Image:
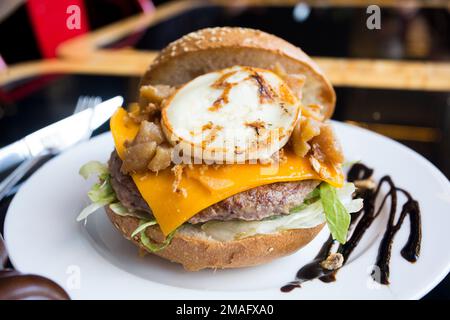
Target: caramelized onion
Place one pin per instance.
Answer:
(148, 132)
(156, 94)
(161, 160)
(303, 132)
(327, 144)
(137, 157)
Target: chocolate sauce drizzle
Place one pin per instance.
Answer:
(360, 222)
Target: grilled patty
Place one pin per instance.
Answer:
(254, 204)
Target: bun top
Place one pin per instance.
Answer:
(213, 49)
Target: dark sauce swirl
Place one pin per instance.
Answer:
(361, 221)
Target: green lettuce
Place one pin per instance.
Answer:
(146, 241)
(94, 167)
(101, 193)
(142, 226)
(121, 210)
(337, 216)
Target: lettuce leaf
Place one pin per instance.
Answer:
(337, 216)
(119, 209)
(142, 226)
(94, 167)
(101, 193)
(89, 209)
(308, 217)
(312, 197)
(147, 242)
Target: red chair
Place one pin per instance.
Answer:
(49, 19)
(53, 21)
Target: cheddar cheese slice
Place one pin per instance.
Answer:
(205, 187)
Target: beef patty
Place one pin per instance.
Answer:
(254, 204)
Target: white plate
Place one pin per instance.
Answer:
(95, 262)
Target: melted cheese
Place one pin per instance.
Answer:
(206, 187)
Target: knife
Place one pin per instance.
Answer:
(53, 139)
(59, 135)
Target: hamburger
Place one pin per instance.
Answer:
(227, 159)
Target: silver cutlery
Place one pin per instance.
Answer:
(85, 102)
(54, 138)
(10, 183)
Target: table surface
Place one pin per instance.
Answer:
(417, 117)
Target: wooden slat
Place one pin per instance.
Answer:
(428, 76)
(402, 132)
(129, 66)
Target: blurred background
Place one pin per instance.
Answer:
(394, 80)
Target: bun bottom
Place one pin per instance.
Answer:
(193, 249)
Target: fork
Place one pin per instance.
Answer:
(85, 102)
(7, 186)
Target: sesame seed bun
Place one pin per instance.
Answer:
(213, 49)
